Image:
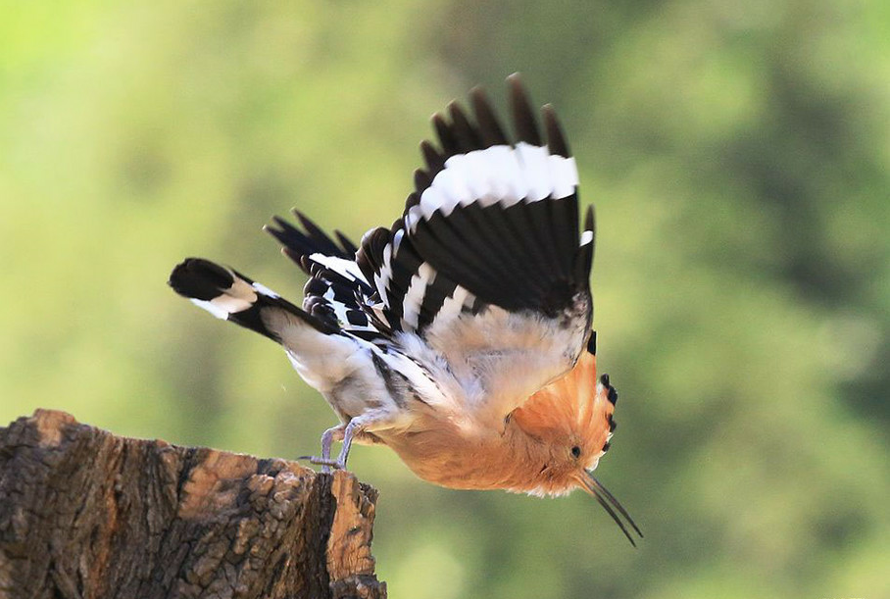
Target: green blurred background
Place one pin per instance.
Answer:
(738, 155)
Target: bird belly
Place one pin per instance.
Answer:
(461, 462)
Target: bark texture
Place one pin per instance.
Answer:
(86, 514)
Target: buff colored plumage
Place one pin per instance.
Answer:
(460, 336)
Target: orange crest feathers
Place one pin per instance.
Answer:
(575, 405)
(577, 409)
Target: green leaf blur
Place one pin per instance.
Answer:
(738, 157)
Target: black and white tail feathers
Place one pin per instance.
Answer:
(231, 296)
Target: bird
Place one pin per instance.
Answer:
(460, 336)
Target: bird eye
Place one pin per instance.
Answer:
(576, 451)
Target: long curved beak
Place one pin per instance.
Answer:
(612, 506)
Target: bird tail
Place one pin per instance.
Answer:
(231, 296)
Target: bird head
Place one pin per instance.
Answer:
(571, 421)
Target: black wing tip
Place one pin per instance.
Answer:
(308, 238)
(523, 115)
(435, 161)
(447, 139)
(490, 130)
(590, 220)
(422, 180)
(556, 139)
(346, 242)
(313, 231)
(299, 216)
(478, 91)
(467, 133)
(278, 231)
(457, 133)
(584, 255)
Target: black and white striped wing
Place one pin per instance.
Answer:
(487, 263)
(336, 291)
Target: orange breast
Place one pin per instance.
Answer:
(512, 457)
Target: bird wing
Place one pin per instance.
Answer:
(337, 289)
(486, 264)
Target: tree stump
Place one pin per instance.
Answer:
(87, 514)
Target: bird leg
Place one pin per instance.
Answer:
(335, 433)
(339, 433)
(345, 433)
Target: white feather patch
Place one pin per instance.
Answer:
(381, 279)
(507, 182)
(533, 160)
(498, 174)
(345, 268)
(260, 288)
(433, 199)
(424, 277)
(217, 311)
(563, 175)
(397, 240)
(237, 298)
(454, 304)
(453, 183)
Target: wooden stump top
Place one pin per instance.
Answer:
(87, 514)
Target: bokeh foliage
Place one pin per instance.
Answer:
(738, 156)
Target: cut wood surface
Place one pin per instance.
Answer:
(87, 514)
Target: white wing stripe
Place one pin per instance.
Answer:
(563, 174)
(424, 277)
(381, 279)
(534, 166)
(498, 174)
(433, 199)
(345, 268)
(453, 305)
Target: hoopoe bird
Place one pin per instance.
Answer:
(460, 337)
